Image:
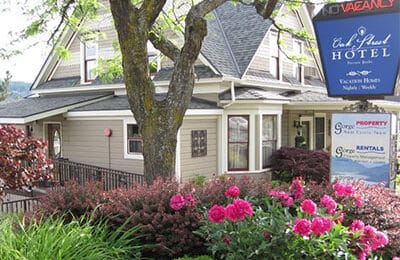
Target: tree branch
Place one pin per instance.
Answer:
(265, 9)
(167, 47)
(150, 10)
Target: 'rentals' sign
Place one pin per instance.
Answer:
(359, 43)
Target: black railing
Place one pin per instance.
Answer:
(18, 206)
(65, 170)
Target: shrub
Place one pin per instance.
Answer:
(290, 162)
(273, 231)
(380, 208)
(22, 159)
(169, 231)
(72, 201)
(54, 239)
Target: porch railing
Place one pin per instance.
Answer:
(18, 206)
(66, 170)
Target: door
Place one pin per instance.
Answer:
(54, 140)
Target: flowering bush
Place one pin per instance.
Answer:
(280, 228)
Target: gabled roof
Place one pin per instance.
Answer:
(35, 108)
(234, 34)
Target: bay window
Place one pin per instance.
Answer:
(238, 143)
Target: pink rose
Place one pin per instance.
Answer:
(381, 240)
(356, 225)
(233, 191)
(216, 214)
(302, 227)
(343, 190)
(283, 197)
(231, 213)
(297, 188)
(329, 203)
(227, 240)
(242, 208)
(309, 206)
(177, 202)
(320, 225)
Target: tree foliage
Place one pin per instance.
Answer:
(22, 159)
(5, 86)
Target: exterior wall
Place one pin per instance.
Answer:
(84, 141)
(192, 166)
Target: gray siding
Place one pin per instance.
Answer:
(207, 165)
(84, 141)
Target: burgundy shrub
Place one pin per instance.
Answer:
(22, 159)
(73, 199)
(169, 232)
(290, 162)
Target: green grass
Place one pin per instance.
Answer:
(56, 240)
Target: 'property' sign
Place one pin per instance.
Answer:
(359, 43)
(361, 147)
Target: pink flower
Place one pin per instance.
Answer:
(356, 225)
(381, 240)
(233, 191)
(243, 208)
(358, 200)
(396, 258)
(302, 227)
(309, 206)
(227, 240)
(329, 203)
(190, 200)
(343, 190)
(320, 225)
(177, 202)
(297, 188)
(283, 198)
(231, 213)
(216, 214)
(238, 210)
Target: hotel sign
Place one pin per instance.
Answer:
(359, 43)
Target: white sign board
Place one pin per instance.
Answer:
(361, 147)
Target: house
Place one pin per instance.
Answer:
(249, 99)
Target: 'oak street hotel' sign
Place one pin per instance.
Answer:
(359, 42)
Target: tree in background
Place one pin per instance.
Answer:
(23, 159)
(137, 22)
(5, 86)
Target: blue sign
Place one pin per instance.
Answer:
(360, 48)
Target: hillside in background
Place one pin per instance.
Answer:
(19, 89)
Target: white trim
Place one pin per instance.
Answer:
(295, 64)
(83, 58)
(84, 88)
(178, 173)
(195, 112)
(326, 130)
(207, 63)
(48, 113)
(311, 132)
(125, 129)
(248, 172)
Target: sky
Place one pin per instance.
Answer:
(23, 67)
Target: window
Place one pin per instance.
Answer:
(134, 140)
(199, 143)
(274, 63)
(89, 60)
(238, 143)
(297, 68)
(269, 138)
(319, 133)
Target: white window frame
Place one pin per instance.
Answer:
(297, 66)
(127, 155)
(84, 58)
(262, 140)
